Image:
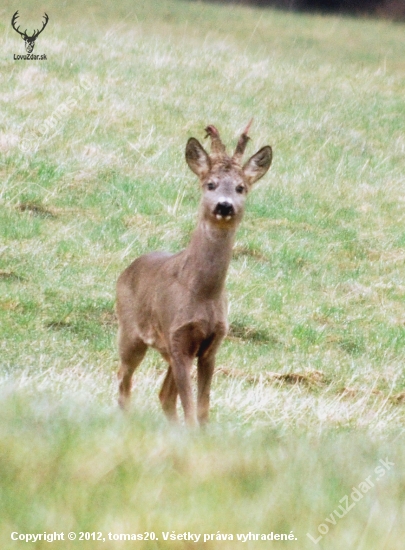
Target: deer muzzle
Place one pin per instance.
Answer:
(224, 210)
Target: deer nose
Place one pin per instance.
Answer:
(224, 209)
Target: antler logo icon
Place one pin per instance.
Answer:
(29, 40)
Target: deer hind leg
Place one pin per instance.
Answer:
(131, 351)
(168, 396)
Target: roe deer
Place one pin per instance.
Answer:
(176, 303)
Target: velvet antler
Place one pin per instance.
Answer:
(241, 146)
(217, 147)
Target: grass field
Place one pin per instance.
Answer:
(309, 395)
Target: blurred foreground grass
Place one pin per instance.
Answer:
(310, 388)
(72, 467)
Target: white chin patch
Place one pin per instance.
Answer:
(226, 218)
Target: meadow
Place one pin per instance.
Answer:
(309, 394)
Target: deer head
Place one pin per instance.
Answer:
(29, 40)
(225, 181)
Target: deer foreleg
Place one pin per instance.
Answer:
(181, 367)
(205, 371)
(184, 344)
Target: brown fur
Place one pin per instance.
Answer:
(177, 303)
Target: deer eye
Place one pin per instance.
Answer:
(240, 189)
(211, 186)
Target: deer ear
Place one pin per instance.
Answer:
(258, 165)
(197, 159)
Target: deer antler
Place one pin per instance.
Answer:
(241, 146)
(217, 147)
(24, 34)
(37, 32)
(13, 22)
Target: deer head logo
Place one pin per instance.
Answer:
(29, 40)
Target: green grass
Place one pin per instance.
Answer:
(310, 389)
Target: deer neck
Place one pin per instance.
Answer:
(207, 259)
